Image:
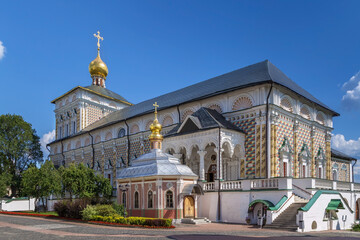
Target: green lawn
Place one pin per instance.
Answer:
(44, 213)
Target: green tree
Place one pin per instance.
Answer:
(41, 183)
(102, 187)
(82, 182)
(4, 183)
(19, 148)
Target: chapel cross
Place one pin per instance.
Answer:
(156, 106)
(98, 38)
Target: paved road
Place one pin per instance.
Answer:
(20, 227)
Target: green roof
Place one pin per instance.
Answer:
(265, 202)
(335, 204)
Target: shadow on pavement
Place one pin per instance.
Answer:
(227, 237)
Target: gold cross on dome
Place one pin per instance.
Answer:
(98, 38)
(156, 106)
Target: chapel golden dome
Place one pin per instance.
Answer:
(155, 128)
(155, 136)
(98, 68)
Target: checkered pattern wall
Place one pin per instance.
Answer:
(248, 126)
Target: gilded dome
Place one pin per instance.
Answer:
(98, 67)
(155, 128)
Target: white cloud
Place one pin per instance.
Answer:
(351, 99)
(351, 148)
(2, 50)
(45, 139)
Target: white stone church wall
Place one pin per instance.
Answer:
(317, 214)
(234, 205)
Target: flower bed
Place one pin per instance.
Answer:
(114, 221)
(137, 221)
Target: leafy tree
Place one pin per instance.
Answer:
(4, 183)
(102, 187)
(41, 183)
(19, 148)
(82, 182)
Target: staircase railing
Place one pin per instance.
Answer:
(302, 192)
(272, 215)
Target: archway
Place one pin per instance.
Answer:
(211, 173)
(189, 207)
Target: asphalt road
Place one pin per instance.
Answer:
(33, 228)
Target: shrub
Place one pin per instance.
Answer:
(119, 209)
(70, 209)
(356, 227)
(61, 208)
(89, 212)
(140, 221)
(104, 210)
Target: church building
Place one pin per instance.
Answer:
(249, 146)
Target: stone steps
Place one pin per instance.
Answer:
(195, 221)
(287, 219)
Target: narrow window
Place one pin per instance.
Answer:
(74, 127)
(60, 132)
(124, 199)
(136, 198)
(169, 199)
(66, 130)
(150, 199)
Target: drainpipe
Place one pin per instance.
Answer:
(352, 169)
(128, 140)
(219, 198)
(93, 150)
(268, 174)
(47, 147)
(62, 153)
(178, 110)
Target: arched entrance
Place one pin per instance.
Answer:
(211, 174)
(189, 207)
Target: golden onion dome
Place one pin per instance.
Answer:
(155, 128)
(98, 68)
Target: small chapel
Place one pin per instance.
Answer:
(249, 146)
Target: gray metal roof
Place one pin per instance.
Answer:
(204, 119)
(156, 163)
(258, 73)
(338, 154)
(106, 92)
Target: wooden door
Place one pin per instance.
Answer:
(189, 207)
(285, 169)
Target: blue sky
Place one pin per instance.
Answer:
(172, 44)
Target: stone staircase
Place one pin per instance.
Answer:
(195, 220)
(287, 219)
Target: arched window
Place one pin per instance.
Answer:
(150, 199)
(242, 103)
(124, 199)
(97, 139)
(304, 112)
(134, 129)
(136, 200)
(186, 113)
(167, 121)
(285, 103)
(215, 107)
(320, 118)
(169, 199)
(108, 136)
(87, 142)
(121, 133)
(335, 171)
